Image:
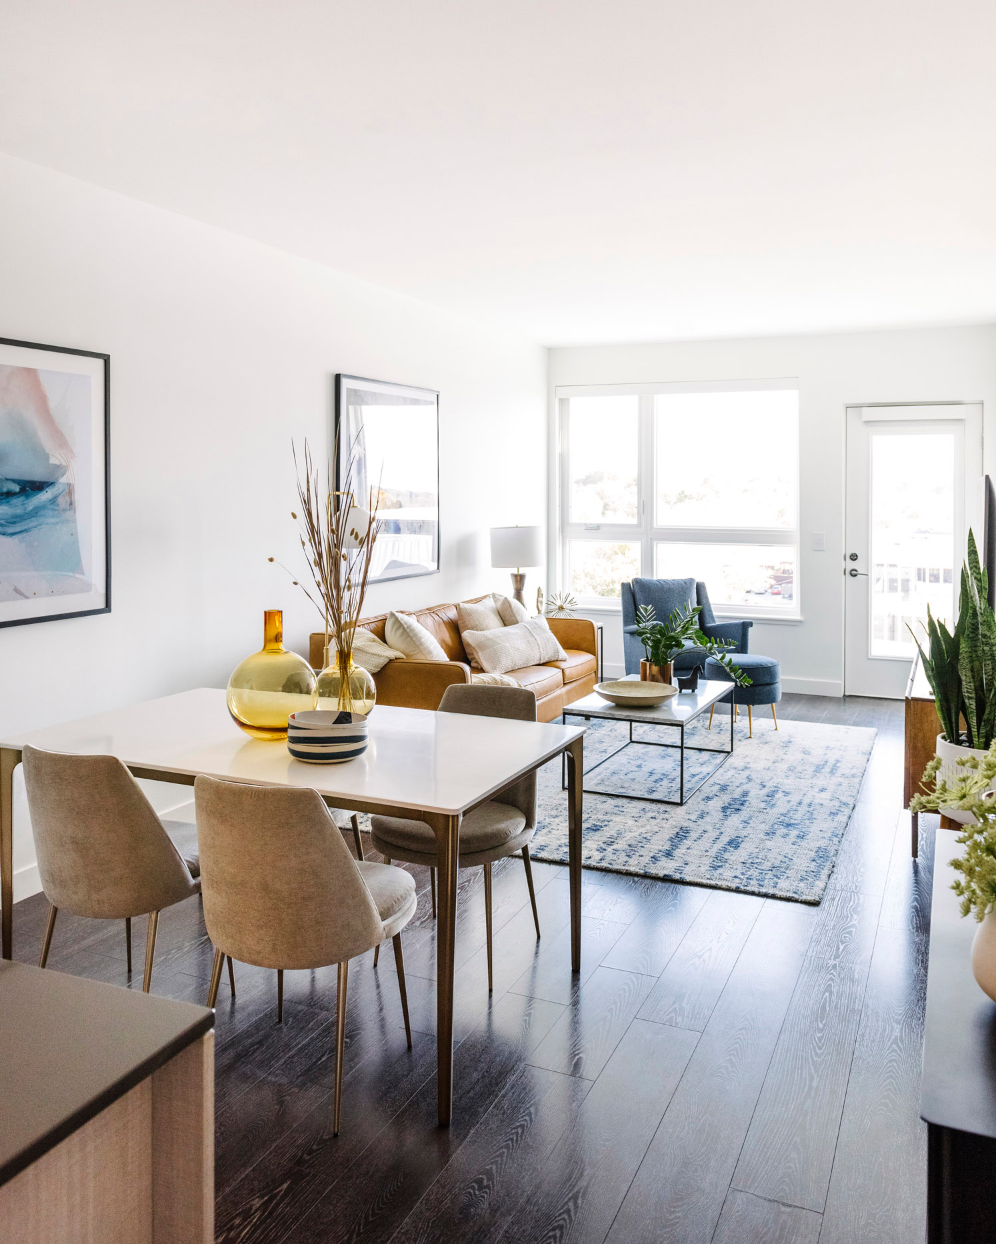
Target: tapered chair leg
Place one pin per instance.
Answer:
(150, 949)
(219, 958)
(128, 941)
(340, 1042)
(487, 921)
(711, 711)
(399, 962)
(750, 723)
(774, 716)
(355, 822)
(53, 912)
(532, 892)
(432, 885)
(231, 975)
(377, 954)
(280, 995)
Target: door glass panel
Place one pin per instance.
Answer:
(726, 459)
(912, 537)
(597, 567)
(759, 575)
(602, 468)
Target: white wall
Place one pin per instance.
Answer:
(833, 371)
(222, 350)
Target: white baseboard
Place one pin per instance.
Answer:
(26, 882)
(613, 670)
(814, 686)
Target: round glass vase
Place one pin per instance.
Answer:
(270, 685)
(349, 690)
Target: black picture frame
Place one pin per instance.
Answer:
(105, 457)
(347, 438)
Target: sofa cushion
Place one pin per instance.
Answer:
(577, 665)
(407, 635)
(441, 623)
(512, 647)
(541, 680)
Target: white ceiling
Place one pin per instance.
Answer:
(584, 170)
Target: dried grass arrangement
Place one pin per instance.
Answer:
(337, 537)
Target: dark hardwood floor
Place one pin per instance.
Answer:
(726, 1068)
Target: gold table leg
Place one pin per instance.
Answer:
(447, 831)
(10, 758)
(575, 783)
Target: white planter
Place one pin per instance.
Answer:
(950, 770)
(984, 955)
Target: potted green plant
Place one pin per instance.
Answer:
(961, 669)
(970, 791)
(662, 641)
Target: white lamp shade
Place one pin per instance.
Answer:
(516, 546)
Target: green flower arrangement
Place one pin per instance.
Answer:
(662, 641)
(969, 793)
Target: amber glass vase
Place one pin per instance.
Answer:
(352, 690)
(271, 684)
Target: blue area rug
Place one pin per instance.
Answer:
(769, 822)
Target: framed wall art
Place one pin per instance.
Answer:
(393, 432)
(55, 524)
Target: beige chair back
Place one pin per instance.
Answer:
(280, 887)
(516, 703)
(102, 851)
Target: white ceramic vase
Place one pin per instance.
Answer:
(951, 770)
(984, 955)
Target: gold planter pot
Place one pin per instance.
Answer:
(270, 685)
(656, 673)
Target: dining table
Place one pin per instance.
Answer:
(436, 766)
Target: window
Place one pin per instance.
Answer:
(655, 481)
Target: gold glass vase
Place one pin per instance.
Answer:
(271, 684)
(349, 690)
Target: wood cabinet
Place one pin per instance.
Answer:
(922, 728)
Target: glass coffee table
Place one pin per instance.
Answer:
(675, 713)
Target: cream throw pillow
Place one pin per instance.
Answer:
(370, 652)
(514, 647)
(411, 638)
(511, 612)
(493, 680)
(481, 615)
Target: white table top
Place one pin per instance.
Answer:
(679, 710)
(432, 762)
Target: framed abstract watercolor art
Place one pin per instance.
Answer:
(55, 534)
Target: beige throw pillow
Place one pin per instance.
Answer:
(372, 653)
(411, 638)
(514, 647)
(511, 612)
(493, 680)
(481, 615)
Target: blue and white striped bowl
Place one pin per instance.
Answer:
(326, 738)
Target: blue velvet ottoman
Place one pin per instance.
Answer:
(765, 682)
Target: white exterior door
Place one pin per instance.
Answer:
(913, 491)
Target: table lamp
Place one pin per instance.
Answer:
(518, 547)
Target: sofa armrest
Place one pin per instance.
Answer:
(629, 630)
(576, 633)
(735, 631)
(418, 684)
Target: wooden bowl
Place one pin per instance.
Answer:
(630, 692)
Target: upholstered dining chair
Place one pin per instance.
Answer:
(281, 890)
(102, 850)
(500, 827)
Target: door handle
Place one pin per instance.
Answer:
(854, 573)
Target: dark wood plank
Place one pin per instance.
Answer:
(545, 977)
(691, 984)
(878, 1189)
(788, 1153)
(657, 929)
(575, 1194)
(582, 1040)
(679, 1189)
(750, 1219)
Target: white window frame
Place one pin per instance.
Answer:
(644, 532)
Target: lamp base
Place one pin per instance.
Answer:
(518, 584)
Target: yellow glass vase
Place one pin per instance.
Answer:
(349, 691)
(271, 684)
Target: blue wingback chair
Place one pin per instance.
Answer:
(666, 595)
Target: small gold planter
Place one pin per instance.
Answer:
(656, 673)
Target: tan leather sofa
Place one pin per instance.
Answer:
(420, 684)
